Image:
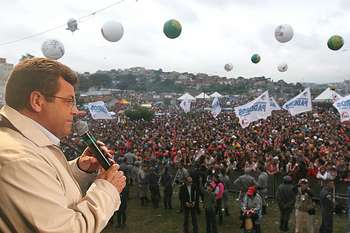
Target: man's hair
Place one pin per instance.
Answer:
(35, 74)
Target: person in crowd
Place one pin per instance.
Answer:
(142, 184)
(263, 179)
(153, 181)
(180, 176)
(190, 198)
(304, 208)
(209, 205)
(226, 181)
(166, 181)
(219, 192)
(285, 196)
(348, 209)
(119, 217)
(327, 206)
(251, 209)
(244, 181)
(40, 190)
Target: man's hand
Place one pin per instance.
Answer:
(115, 177)
(87, 161)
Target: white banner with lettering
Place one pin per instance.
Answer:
(299, 104)
(343, 107)
(98, 110)
(254, 110)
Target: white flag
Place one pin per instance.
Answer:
(99, 111)
(274, 105)
(343, 107)
(254, 110)
(299, 104)
(186, 105)
(215, 107)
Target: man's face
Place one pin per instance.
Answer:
(57, 115)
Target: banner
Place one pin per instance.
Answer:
(99, 111)
(274, 105)
(186, 105)
(254, 110)
(299, 104)
(215, 107)
(343, 107)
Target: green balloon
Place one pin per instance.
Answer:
(255, 58)
(335, 42)
(172, 28)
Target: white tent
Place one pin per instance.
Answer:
(186, 96)
(327, 95)
(215, 94)
(202, 96)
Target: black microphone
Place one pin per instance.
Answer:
(83, 131)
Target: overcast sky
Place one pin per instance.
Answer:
(214, 32)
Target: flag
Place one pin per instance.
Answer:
(343, 107)
(98, 110)
(254, 110)
(299, 104)
(186, 105)
(274, 105)
(215, 107)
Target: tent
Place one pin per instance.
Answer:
(328, 95)
(186, 96)
(202, 96)
(215, 94)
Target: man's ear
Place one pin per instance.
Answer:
(36, 101)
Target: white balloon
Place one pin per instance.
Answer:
(112, 31)
(283, 67)
(228, 67)
(284, 33)
(52, 49)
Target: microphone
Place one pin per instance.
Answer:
(83, 131)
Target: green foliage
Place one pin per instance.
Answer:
(138, 113)
(100, 80)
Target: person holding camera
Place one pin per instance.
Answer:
(251, 207)
(304, 208)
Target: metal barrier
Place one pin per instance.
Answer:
(315, 185)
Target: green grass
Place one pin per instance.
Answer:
(149, 220)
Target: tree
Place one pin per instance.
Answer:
(100, 80)
(138, 113)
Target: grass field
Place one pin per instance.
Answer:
(149, 220)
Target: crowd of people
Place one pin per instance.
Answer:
(174, 146)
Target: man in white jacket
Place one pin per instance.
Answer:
(40, 191)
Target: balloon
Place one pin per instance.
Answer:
(72, 25)
(255, 58)
(284, 33)
(112, 31)
(52, 49)
(335, 42)
(228, 67)
(172, 28)
(283, 67)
